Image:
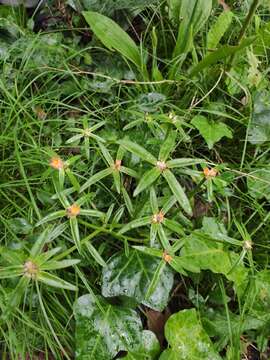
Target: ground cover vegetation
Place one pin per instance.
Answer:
(134, 180)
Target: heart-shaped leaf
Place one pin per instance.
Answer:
(259, 130)
(148, 349)
(132, 277)
(187, 338)
(212, 132)
(259, 183)
(102, 329)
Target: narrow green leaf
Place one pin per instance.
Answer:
(129, 172)
(73, 179)
(92, 250)
(167, 146)
(112, 36)
(192, 14)
(138, 150)
(51, 217)
(135, 224)
(106, 154)
(169, 204)
(222, 53)
(128, 201)
(153, 200)
(174, 226)
(40, 242)
(149, 251)
(96, 177)
(74, 227)
(176, 163)
(93, 213)
(218, 29)
(155, 280)
(178, 191)
(147, 179)
(117, 180)
(74, 138)
(56, 265)
(153, 234)
(163, 237)
(55, 281)
(11, 271)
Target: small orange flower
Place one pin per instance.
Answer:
(117, 165)
(166, 257)
(158, 218)
(210, 173)
(56, 163)
(161, 165)
(73, 211)
(30, 269)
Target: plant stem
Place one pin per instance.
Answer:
(245, 26)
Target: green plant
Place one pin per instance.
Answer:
(134, 180)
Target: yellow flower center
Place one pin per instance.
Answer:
(73, 211)
(87, 132)
(117, 165)
(166, 257)
(57, 163)
(30, 269)
(158, 218)
(161, 165)
(210, 173)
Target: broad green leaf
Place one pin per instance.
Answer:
(147, 349)
(55, 281)
(113, 36)
(218, 29)
(102, 329)
(131, 276)
(109, 7)
(259, 183)
(135, 224)
(184, 162)
(178, 191)
(220, 54)
(216, 324)
(192, 15)
(138, 150)
(167, 146)
(207, 254)
(187, 339)
(51, 217)
(211, 131)
(259, 131)
(261, 293)
(96, 177)
(147, 179)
